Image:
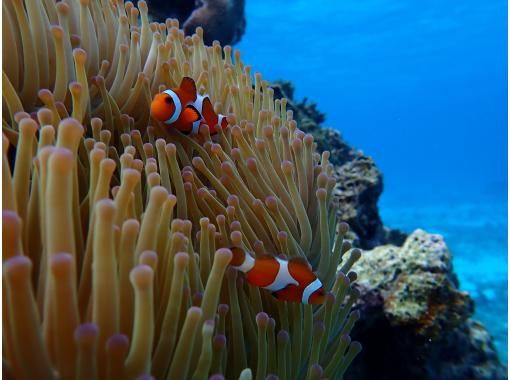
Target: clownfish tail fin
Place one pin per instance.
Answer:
(222, 119)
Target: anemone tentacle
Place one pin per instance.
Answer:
(130, 222)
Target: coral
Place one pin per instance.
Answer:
(222, 20)
(357, 191)
(416, 322)
(116, 230)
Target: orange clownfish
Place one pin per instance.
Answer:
(184, 109)
(291, 280)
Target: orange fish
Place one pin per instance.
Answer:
(185, 110)
(291, 280)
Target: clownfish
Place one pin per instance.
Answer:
(291, 280)
(184, 109)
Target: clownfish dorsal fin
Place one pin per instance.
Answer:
(208, 111)
(301, 261)
(188, 89)
(190, 114)
(301, 271)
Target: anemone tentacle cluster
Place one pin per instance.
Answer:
(116, 229)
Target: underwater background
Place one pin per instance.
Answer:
(422, 88)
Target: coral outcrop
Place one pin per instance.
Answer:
(222, 20)
(359, 185)
(416, 323)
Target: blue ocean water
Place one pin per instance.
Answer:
(422, 88)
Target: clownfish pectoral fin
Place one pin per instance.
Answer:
(190, 114)
(189, 88)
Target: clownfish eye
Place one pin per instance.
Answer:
(169, 100)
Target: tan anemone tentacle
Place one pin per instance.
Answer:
(59, 229)
(25, 321)
(60, 88)
(64, 13)
(138, 360)
(12, 44)
(66, 312)
(31, 76)
(22, 170)
(12, 100)
(38, 24)
(105, 307)
(85, 338)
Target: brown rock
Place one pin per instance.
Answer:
(415, 322)
(222, 20)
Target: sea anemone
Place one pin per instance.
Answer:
(116, 229)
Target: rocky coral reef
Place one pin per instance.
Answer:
(415, 321)
(222, 20)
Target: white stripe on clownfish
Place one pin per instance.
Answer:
(220, 118)
(178, 106)
(198, 104)
(283, 277)
(312, 287)
(247, 265)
